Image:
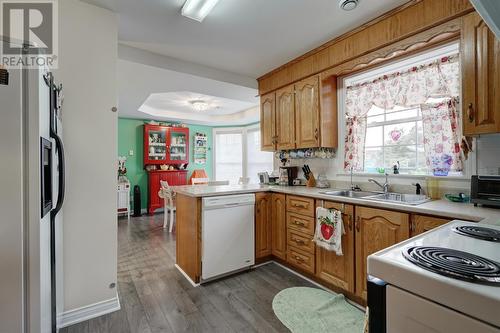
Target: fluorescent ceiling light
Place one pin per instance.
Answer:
(198, 9)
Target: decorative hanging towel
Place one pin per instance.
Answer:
(329, 229)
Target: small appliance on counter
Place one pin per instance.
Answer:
(287, 175)
(263, 178)
(485, 190)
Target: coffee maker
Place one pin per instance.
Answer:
(287, 175)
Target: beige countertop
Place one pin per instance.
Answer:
(442, 208)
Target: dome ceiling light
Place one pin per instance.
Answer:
(348, 5)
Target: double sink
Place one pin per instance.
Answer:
(407, 199)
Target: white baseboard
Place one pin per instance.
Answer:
(87, 312)
(194, 284)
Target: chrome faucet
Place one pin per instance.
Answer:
(384, 186)
(354, 187)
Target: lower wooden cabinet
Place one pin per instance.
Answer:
(376, 229)
(334, 269)
(263, 225)
(278, 225)
(423, 223)
(173, 178)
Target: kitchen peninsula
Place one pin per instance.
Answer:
(284, 225)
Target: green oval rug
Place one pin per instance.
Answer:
(303, 309)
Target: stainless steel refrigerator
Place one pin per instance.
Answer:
(31, 197)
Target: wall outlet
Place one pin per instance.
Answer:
(131, 153)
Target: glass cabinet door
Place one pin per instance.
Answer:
(157, 143)
(178, 145)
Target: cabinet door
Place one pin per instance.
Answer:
(263, 230)
(268, 138)
(339, 270)
(480, 77)
(285, 118)
(155, 144)
(178, 145)
(307, 113)
(422, 223)
(279, 225)
(376, 229)
(154, 201)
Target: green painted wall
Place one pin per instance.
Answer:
(130, 137)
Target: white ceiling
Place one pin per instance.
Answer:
(149, 92)
(246, 37)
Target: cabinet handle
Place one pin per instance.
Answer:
(298, 241)
(299, 223)
(358, 223)
(296, 205)
(470, 112)
(316, 134)
(349, 221)
(299, 259)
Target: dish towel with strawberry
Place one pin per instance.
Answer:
(329, 229)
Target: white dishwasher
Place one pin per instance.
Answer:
(228, 236)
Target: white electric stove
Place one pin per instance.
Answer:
(445, 280)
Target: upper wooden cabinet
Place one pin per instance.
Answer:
(307, 113)
(334, 269)
(376, 229)
(268, 136)
(302, 115)
(285, 118)
(263, 226)
(279, 225)
(480, 77)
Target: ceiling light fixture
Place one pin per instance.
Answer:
(199, 105)
(348, 4)
(198, 9)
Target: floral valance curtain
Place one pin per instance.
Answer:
(406, 89)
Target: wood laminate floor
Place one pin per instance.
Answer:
(155, 297)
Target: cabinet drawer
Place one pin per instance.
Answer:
(301, 259)
(300, 241)
(300, 205)
(300, 223)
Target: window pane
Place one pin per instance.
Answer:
(375, 119)
(374, 158)
(374, 136)
(421, 162)
(391, 115)
(375, 110)
(229, 157)
(406, 155)
(258, 161)
(401, 134)
(420, 133)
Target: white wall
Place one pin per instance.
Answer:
(87, 69)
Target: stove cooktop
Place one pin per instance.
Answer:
(455, 264)
(483, 233)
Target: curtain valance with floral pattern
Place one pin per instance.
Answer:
(410, 88)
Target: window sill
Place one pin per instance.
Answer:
(400, 176)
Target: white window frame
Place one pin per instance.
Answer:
(470, 166)
(244, 141)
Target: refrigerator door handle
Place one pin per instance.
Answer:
(61, 167)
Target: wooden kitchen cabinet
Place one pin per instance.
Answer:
(376, 229)
(307, 113)
(278, 225)
(263, 225)
(173, 178)
(334, 269)
(301, 115)
(268, 138)
(285, 118)
(480, 77)
(422, 223)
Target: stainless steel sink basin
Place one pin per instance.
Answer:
(408, 199)
(349, 193)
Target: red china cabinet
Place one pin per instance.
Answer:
(166, 154)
